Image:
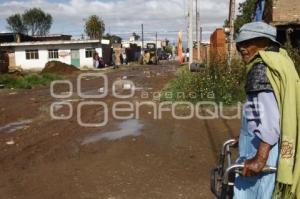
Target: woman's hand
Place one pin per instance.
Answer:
(255, 165)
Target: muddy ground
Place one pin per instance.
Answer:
(45, 158)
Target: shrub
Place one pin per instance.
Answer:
(215, 83)
(26, 82)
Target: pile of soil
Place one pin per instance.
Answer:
(58, 67)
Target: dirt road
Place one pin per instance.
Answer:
(44, 158)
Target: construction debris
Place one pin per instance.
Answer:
(101, 90)
(10, 142)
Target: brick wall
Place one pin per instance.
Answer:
(204, 53)
(218, 49)
(286, 11)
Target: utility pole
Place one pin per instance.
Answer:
(231, 34)
(156, 58)
(197, 31)
(142, 38)
(190, 33)
(201, 32)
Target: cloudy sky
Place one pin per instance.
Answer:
(122, 17)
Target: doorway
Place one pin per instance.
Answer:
(75, 57)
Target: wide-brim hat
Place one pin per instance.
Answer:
(254, 30)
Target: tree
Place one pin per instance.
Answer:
(246, 9)
(169, 49)
(16, 24)
(167, 42)
(113, 38)
(37, 21)
(94, 27)
(136, 36)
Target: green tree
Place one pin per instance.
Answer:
(136, 36)
(246, 9)
(37, 21)
(169, 49)
(16, 24)
(94, 27)
(167, 42)
(113, 38)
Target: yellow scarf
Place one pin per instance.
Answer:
(286, 85)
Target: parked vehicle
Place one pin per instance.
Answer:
(149, 56)
(164, 55)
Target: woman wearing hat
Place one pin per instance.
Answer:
(271, 117)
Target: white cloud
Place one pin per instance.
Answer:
(125, 16)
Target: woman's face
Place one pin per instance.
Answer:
(248, 49)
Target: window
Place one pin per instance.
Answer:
(89, 52)
(53, 54)
(32, 54)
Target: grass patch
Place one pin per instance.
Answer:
(27, 81)
(215, 83)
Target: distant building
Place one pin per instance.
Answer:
(32, 53)
(285, 15)
(126, 43)
(204, 53)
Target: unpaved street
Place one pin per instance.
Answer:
(44, 158)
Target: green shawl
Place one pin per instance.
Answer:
(286, 85)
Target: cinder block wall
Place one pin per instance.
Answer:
(286, 11)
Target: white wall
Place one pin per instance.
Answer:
(64, 51)
(88, 61)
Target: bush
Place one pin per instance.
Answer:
(26, 82)
(216, 83)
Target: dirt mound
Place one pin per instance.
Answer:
(59, 68)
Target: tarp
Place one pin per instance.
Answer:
(260, 10)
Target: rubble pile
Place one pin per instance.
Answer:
(58, 67)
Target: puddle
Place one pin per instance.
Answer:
(14, 126)
(127, 128)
